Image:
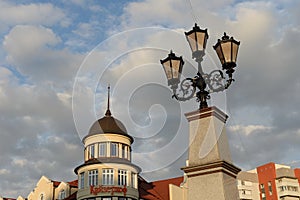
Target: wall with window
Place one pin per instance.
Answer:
(287, 186)
(108, 175)
(43, 190)
(107, 145)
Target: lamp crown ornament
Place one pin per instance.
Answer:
(226, 49)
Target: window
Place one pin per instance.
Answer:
(62, 195)
(122, 179)
(122, 198)
(124, 151)
(270, 187)
(106, 198)
(114, 149)
(42, 197)
(91, 151)
(107, 177)
(263, 193)
(93, 177)
(81, 180)
(133, 180)
(102, 149)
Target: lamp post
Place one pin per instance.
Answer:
(226, 49)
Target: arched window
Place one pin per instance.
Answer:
(42, 197)
(62, 195)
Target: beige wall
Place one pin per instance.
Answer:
(45, 187)
(131, 192)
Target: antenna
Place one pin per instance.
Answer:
(108, 113)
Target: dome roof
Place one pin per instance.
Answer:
(107, 124)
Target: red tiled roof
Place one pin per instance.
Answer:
(73, 183)
(157, 190)
(55, 183)
(72, 196)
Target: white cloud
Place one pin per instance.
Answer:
(4, 171)
(37, 119)
(85, 30)
(33, 51)
(38, 14)
(250, 129)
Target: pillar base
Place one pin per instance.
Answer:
(215, 180)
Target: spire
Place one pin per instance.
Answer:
(108, 113)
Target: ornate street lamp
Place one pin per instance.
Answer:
(226, 49)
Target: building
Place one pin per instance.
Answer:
(47, 189)
(248, 186)
(270, 182)
(107, 172)
(278, 182)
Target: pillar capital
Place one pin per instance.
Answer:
(207, 112)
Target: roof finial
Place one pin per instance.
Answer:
(108, 113)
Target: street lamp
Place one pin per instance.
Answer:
(226, 49)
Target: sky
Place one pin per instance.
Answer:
(57, 58)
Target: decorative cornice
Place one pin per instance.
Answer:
(211, 168)
(107, 161)
(207, 112)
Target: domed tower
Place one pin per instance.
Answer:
(107, 172)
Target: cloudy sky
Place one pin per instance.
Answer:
(57, 58)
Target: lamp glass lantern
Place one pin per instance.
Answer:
(227, 50)
(197, 39)
(173, 68)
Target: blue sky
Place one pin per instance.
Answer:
(55, 53)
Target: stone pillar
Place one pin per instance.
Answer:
(210, 172)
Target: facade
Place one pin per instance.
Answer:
(278, 182)
(270, 182)
(47, 189)
(248, 186)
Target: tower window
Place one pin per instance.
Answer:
(124, 155)
(93, 177)
(114, 149)
(81, 180)
(91, 151)
(102, 149)
(133, 180)
(107, 177)
(122, 179)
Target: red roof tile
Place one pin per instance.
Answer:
(157, 190)
(55, 183)
(72, 196)
(73, 183)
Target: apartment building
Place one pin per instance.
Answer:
(269, 182)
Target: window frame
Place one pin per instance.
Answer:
(114, 148)
(122, 177)
(81, 180)
(102, 146)
(108, 176)
(93, 177)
